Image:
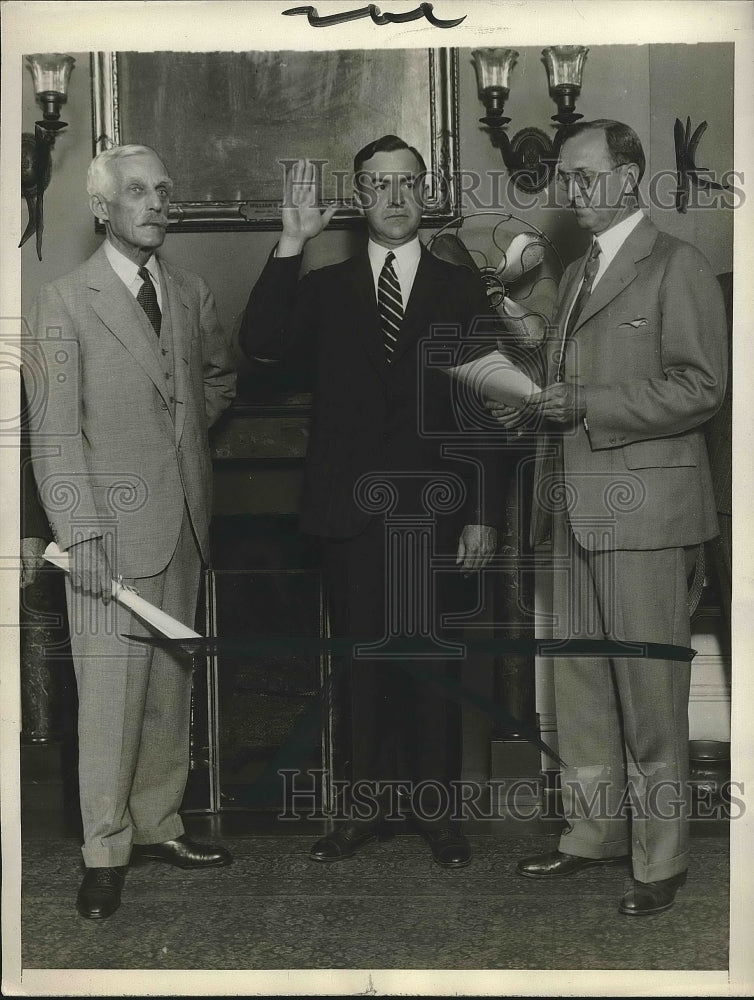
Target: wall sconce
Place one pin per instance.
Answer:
(531, 155)
(51, 73)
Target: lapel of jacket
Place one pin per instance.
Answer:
(179, 304)
(361, 283)
(116, 307)
(417, 306)
(620, 272)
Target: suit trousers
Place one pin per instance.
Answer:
(623, 722)
(402, 727)
(134, 713)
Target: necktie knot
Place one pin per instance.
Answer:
(147, 299)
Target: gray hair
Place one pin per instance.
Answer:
(99, 178)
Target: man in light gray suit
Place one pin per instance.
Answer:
(634, 366)
(127, 368)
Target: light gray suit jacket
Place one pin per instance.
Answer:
(650, 351)
(119, 428)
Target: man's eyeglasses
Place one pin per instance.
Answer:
(583, 179)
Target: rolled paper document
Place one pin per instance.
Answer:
(164, 623)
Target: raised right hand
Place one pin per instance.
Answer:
(90, 569)
(302, 218)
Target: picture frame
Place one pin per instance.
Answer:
(227, 122)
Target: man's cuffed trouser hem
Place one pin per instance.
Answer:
(101, 856)
(595, 852)
(658, 871)
(168, 830)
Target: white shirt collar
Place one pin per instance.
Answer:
(613, 239)
(128, 271)
(407, 257)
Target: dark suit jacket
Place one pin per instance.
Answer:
(650, 350)
(368, 415)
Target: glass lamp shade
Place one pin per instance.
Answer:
(565, 65)
(51, 72)
(493, 68)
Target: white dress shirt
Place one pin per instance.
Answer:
(128, 272)
(405, 264)
(609, 243)
(613, 239)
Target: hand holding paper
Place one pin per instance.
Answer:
(90, 568)
(562, 403)
(509, 417)
(158, 619)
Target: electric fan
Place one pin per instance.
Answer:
(519, 266)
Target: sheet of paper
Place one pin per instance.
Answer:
(496, 378)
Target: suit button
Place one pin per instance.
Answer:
(163, 405)
(612, 440)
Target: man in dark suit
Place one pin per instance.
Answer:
(134, 368)
(635, 365)
(378, 410)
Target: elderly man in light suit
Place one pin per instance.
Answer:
(634, 367)
(127, 368)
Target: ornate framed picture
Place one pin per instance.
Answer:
(226, 123)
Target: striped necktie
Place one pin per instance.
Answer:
(147, 299)
(389, 305)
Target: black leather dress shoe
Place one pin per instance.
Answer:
(99, 894)
(183, 853)
(345, 841)
(651, 897)
(449, 847)
(557, 864)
